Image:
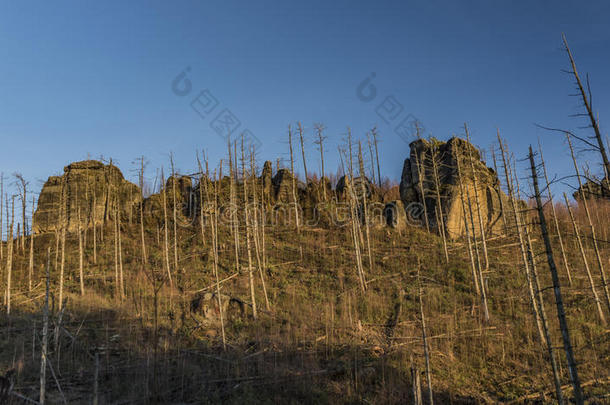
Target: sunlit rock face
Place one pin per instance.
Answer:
(419, 174)
(90, 191)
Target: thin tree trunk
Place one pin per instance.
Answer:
(31, 263)
(45, 332)
(424, 337)
(301, 137)
(365, 207)
(440, 219)
(530, 274)
(319, 131)
(466, 227)
(374, 133)
(294, 181)
(95, 222)
(502, 211)
(547, 336)
(120, 247)
(233, 203)
(555, 220)
(598, 304)
(247, 223)
(354, 231)
(255, 229)
(64, 225)
(420, 182)
(478, 257)
(80, 255)
(583, 197)
(141, 178)
(175, 222)
(563, 324)
(166, 237)
(476, 199)
(9, 255)
(589, 109)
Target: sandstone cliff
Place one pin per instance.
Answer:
(418, 174)
(89, 189)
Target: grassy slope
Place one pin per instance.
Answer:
(323, 341)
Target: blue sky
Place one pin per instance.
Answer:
(95, 78)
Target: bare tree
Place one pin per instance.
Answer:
(586, 100)
(9, 255)
(439, 206)
(375, 141)
(247, 224)
(302, 139)
(294, 181)
(583, 198)
(561, 315)
(22, 187)
(476, 199)
(165, 230)
(45, 332)
(555, 220)
(320, 142)
(585, 262)
(424, 336)
(31, 261)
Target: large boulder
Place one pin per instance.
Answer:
(90, 189)
(418, 173)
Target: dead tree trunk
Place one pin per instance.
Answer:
(233, 203)
(9, 256)
(294, 180)
(420, 182)
(561, 315)
(247, 223)
(589, 110)
(555, 220)
(45, 333)
(255, 231)
(302, 139)
(424, 337)
(439, 206)
(80, 254)
(365, 216)
(466, 227)
(63, 225)
(513, 201)
(143, 240)
(175, 221)
(531, 276)
(547, 342)
(598, 304)
(374, 133)
(502, 210)
(583, 197)
(31, 263)
(166, 237)
(320, 142)
(476, 199)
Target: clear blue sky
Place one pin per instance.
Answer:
(81, 78)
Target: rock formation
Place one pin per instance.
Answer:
(89, 190)
(594, 190)
(418, 174)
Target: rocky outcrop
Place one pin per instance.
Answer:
(594, 190)
(89, 190)
(418, 173)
